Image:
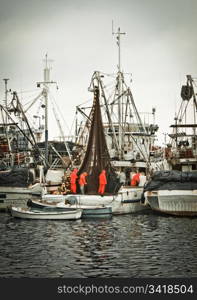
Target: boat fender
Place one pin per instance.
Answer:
(142, 200)
(72, 200)
(29, 203)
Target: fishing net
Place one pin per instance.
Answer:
(172, 180)
(97, 156)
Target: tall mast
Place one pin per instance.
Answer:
(46, 84)
(190, 80)
(6, 96)
(6, 92)
(119, 82)
(6, 106)
(45, 92)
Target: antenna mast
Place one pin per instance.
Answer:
(6, 106)
(120, 87)
(46, 84)
(6, 92)
(118, 35)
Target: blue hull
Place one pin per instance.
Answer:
(97, 212)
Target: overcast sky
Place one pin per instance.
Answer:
(159, 49)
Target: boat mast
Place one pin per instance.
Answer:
(6, 92)
(46, 84)
(6, 96)
(6, 107)
(190, 80)
(120, 97)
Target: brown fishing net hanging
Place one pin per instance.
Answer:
(97, 156)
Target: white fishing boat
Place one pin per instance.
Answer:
(174, 190)
(21, 161)
(22, 147)
(122, 199)
(130, 135)
(126, 200)
(175, 202)
(115, 137)
(17, 185)
(18, 196)
(27, 213)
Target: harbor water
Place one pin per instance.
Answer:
(136, 245)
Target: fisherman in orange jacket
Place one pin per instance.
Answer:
(82, 182)
(102, 182)
(73, 178)
(135, 179)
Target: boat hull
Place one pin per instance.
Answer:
(88, 211)
(53, 198)
(126, 201)
(18, 196)
(24, 213)
(174, 202)
(103, 212)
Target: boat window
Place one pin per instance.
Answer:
(2, 196)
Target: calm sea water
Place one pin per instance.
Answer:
(135, 245)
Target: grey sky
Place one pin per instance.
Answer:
(159, 49)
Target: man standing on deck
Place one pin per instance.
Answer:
(82, 182)
(73, 178)
(135, 179)
(102, 182)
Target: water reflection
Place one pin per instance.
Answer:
(138, 245)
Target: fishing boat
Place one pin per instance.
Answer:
(88, 211)
(121, 199)
(21, 163)
(126, 200)
(130, 134)
(58, 153)
(18, 195)
(128, 146)
(174, 190)
(29, 167)
(27, 213)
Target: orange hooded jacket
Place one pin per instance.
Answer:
(102, 178)
(82, 179)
